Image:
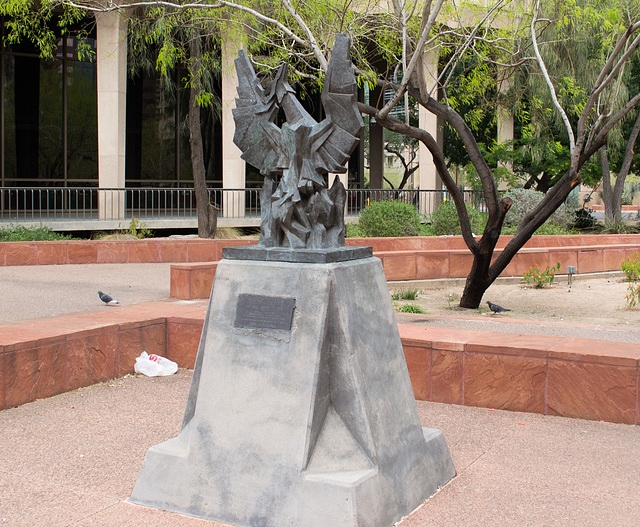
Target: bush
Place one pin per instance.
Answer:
(137, 229)
(353, 231)
(541, 279)
(526, 199)
(445, 221)
(546, 229)
(20, 233)
(389, 218)
(631, 267)
(405, 294)
(584, 219)
(411, 308)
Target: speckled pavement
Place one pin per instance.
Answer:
(72, 460)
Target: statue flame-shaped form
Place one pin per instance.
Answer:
(301, 212)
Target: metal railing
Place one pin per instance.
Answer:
(56, 204)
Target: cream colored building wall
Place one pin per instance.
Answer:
(111, 61)
(233, 167)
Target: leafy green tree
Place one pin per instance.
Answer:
(401, 35)
(160, 39)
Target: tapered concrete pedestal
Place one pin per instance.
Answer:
(300, 411)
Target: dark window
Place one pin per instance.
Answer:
(49, 115)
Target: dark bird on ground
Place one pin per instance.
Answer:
(107, 299)
(496, 308)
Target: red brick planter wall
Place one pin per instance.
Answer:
(570, 377)
(424, 258)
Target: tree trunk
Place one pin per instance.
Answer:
(611, 212)
(477, 280)
(618, 188)
(207, 213)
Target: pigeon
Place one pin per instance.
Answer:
(496, 308)
(106, 298)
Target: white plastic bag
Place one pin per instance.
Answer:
(154, 365)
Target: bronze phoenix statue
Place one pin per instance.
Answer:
(301, 212)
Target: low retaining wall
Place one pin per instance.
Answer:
(424, 258)
(158, 250)
(569, 377)
(114, 251)
(549, 375)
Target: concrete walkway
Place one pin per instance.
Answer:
(36, 291)
(72, 460)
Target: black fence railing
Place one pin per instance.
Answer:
(46, 204)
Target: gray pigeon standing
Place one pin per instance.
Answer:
(496, 308)
(106, 298)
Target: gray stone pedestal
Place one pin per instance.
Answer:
(300, 411)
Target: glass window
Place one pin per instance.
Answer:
(50, 149)
(151, 131)
(82, 122)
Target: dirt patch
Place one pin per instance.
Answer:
(588, 301)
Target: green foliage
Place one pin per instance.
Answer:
(631, 267)
(541, 279)
(445, 221)
(451, 298)
(619, 226)
(389, 218)
(524, 200)
(584, 219)
(411, 308)
(405, 294)
(353, 231)
(633, 296)
(137, 229)
(20, 233)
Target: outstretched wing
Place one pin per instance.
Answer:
(256, 134)
(338, 134)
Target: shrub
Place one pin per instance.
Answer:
(412, 308)
(137, 229)
(541, 279)
(445, 221)
(405, 294)
(526, 199)
(353, 231)
(631, 267)
(389, 218)
(633, 296)
(618, 226)
(20, 233)
(584, 219)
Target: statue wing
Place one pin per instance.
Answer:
(256, 134)
(338, 134)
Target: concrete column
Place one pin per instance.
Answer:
(376, 144)
(233, 167)
(111, 62)
(505, 122)
(428, 178)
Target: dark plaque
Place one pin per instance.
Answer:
(264, 312)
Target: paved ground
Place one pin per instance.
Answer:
(37, 291)
(53, 290)
(72, 460)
